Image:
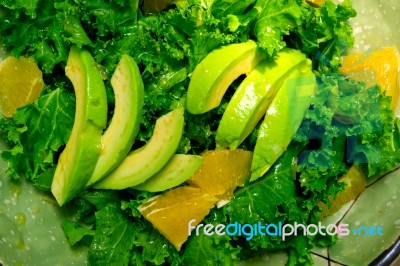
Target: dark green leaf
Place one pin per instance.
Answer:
(76, 233)
(113, 238)
(37, 132)
(277, 18)
(44, 180)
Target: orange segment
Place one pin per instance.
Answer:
(316, 2)
(355, 185)
(384, 65)
(20, 83)
(222, 171)
(171, 212)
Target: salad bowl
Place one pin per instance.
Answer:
(31, 231)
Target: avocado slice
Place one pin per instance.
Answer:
(120, 135)
(283, 118)
(213, 75)
(179, 169)
(253, 96)
(78, 160)
(143, 163)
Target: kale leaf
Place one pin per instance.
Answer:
(113, 237)
(37, 132)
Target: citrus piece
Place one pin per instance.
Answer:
(20, 83)
(382, 64)
(316, 2)
(171, 212)
(355, 183)
(222, 171)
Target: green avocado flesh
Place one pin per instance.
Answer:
(283, 118)
(253, 96)
(120, 135)
(179, 169)
(78, 160)
(215, 73)
(143, 163)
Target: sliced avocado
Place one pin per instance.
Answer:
(283, 118)
(143, 163)
(213, 75)
(179, 169)
(78, 160)
(253, 96)
(120, 135)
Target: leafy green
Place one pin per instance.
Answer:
(76, 233)
(224, 8)
(324, 34)
(49, 29)
(277, 18)
(28, 7)
(110, 224)
(211, 250)
(151, 247)
(100, 198)
(31, 36)
(113, 238)
(348, 123)
(237, 16)
(36, 133)
(43, 181)
(250, 205)
(375, 149)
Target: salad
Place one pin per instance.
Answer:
(149, 121)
